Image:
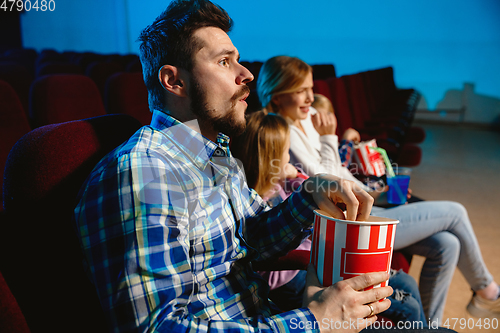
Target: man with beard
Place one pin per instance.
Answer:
(167, 223)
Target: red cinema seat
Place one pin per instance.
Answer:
(13, 124)
(323, 71)
(321, 87)
(19, 78)
(126, 93)
(11, 317)
(101, 71)
(60, 98)
(340, 102)
(44, 267)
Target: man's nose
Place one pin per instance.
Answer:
(244, 76)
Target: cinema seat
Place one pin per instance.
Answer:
(41, 256)
(126, 93)
(13, 124)
(60, 98)
(11, 317)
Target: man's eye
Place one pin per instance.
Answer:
(224, 62)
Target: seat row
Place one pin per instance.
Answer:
(371, 103)
(60, 98)
(20, 67)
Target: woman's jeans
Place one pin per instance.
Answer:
(441, 232)
(405, 300)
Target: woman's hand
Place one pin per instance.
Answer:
(351, 134)
(324, 123)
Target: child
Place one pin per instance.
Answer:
(346, 149)
(263, 150)
(350, 137)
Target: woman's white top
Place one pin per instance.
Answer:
(317, 154)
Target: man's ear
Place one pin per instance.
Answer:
(172, 80)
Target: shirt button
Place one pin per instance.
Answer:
(219, 152)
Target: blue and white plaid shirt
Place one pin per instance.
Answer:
(169, 226)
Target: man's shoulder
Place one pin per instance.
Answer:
(146, 143)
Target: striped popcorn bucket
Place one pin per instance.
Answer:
(343, 249)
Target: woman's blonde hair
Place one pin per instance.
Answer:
(280, 75)
(260, 149)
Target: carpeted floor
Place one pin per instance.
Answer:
(462, 164)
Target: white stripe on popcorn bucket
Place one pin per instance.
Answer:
(342, 249)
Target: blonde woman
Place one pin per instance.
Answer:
(440, 231)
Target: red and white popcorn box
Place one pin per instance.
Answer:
(370, 161)
(342, 249)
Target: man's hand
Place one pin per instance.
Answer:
(324, 123)
(346, 301)
(328, 191)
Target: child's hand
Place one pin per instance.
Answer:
(408, 196)
(290, 171)
(351, 134)
(324, 123)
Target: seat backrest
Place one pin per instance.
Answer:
(340, 103)
(60, 98)
(357, 99)
(44, 172)
(382, 84)
(49, 68)
(321, 87)
(100, 71)
(23, 56)
(19, 78)
(323, 71)
(11, 318)
(126, 93)
(13, 124)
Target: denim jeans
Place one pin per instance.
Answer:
(406, 304)
(441, 232)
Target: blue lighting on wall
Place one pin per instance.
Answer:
(433, 45)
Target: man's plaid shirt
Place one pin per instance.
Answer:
(169, 226)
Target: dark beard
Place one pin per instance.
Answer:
(227, 124)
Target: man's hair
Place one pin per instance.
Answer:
(260, 149)
(280, 75)
(169, 41)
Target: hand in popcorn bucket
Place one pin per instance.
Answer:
(342, 249)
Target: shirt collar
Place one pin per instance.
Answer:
(191, 142)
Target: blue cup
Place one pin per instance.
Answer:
(398, 186)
